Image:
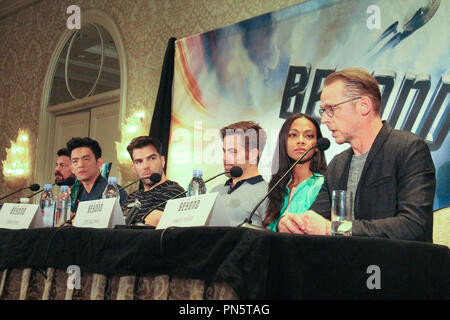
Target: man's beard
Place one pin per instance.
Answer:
(58, 177)
(69, 181)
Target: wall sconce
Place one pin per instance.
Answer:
(135, 125)
(16, 167)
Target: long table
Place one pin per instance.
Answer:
(216, 263)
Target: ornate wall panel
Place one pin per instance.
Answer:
(29, 37)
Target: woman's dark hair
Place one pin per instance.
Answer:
(281, 162)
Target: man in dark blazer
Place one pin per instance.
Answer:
(390, 172)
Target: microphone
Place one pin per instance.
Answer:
(154, 178)
(33, 187)
(322, 144)
(235, 172)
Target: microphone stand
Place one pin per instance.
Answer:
(216, 176)
(136, 206)
(155, 180)
(248, 221)
(35, 193)
(131, 184)
(13, 193)
(133, 211)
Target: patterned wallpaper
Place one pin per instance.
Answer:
(28, 38)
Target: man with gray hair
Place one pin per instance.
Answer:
(390, 172)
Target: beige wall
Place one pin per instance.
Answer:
(28, 38)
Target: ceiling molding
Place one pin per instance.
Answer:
(10, 7)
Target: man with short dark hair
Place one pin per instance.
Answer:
(86, 159)
(390, 172)
(145, 152)
(243, 144)
(63, 169)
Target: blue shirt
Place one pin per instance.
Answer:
(302, 197)
(97, 191)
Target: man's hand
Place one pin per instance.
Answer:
(153, 218)
(291, 223)
(308, 222)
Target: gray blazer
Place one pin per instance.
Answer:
(394, 197)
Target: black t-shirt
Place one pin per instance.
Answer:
(152, 198)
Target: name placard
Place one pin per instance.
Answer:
(102, 213)
(187, 212)
(20, 216)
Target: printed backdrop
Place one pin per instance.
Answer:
(266, 68)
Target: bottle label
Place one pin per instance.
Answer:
(61, 214)
(48, 215)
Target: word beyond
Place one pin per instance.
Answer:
(241, 309)
(418, 84)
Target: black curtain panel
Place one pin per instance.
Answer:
(160, 126)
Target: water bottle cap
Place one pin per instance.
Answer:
(198, 173)
(112, 180)
(64, 188)
(48, 186)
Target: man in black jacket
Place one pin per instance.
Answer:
(390, 172)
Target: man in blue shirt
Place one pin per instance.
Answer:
(86, 159)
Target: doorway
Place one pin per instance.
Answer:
(97, 115)
(100, 123)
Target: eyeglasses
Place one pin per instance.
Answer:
(329, 109)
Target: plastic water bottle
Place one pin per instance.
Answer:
(47, 204)
(111, 190)
(197, 185)
(62, 212)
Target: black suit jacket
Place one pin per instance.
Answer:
(394, 197)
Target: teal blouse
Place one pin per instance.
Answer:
(302, 197)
